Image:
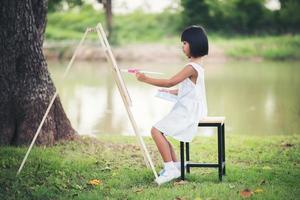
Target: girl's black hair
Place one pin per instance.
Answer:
(197, 39)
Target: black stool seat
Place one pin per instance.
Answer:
(218, 122)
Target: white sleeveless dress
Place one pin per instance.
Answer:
(181, 122)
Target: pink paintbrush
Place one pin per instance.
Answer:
(134, 70)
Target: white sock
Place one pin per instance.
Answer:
(177, 164)
(169, 165)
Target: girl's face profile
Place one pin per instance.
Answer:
(186, 48)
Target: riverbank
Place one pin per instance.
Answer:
(111, 167)
(277, 48)
(145, 53)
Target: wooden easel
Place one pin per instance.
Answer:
(124, 94)
(122, 89)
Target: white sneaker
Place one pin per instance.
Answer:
(167, 176)
(177, 166)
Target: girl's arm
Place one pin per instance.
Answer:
(186, 72)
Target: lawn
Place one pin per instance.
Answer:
(111, 167)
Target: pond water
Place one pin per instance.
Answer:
(257, 98)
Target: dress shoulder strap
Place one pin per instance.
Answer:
(196, 66)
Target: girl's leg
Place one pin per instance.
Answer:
(173, 154)
(170, 171)
(162, 145)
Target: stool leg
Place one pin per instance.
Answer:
(182, 159)
(187, 151)
(223, 147)
(220, 157)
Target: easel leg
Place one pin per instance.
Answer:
(144, 149)
(124, 94)
(50, 104)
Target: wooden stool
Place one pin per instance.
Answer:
(206, 122)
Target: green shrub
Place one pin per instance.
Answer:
(133, 27)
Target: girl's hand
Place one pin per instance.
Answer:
(164, 90)
(175, 92)
(140, 76)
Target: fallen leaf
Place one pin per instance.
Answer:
(198, 198)
(231, 186)
(258, 190)
(139, 190)
(95, 182)
(179, 198)
(180, 182)
(78, 187)
(246, 193)
(287, 145)
(267, 167)
(106, 168)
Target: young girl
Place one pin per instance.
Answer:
(181, 122)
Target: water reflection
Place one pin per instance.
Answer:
(256, 98)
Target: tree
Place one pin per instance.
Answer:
(195, 12)
(289, 16)
(25, 83)
(55, 5)
(108, 14)
(249, 15)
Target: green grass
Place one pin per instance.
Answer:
(63, 171)
(284, 47)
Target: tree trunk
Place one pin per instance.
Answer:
(108, 13)
(26, 87)
(107, 4)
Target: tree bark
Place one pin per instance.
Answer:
(26, 87)
(107, 4)
(108, 13)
